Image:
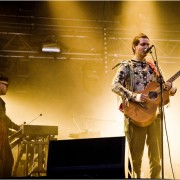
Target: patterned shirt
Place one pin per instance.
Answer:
(132, 77)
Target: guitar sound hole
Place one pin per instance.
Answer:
(152, 95)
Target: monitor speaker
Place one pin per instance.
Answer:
(86, 158)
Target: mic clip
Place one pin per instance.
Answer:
(148, 50)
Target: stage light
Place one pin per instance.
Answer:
(51, 47)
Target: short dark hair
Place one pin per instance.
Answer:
(3, 77)
(135, 41)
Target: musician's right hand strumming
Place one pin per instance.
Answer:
(141, 98)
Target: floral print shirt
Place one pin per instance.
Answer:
(131, 77)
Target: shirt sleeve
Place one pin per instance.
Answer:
(11, 124)
(120, 81)
(172, 91)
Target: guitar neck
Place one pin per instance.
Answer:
(174, 77)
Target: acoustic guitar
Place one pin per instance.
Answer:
(143, 114)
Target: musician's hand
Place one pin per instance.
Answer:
(168, 86)
(143, 97)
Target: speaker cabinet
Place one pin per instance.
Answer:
(87, 158)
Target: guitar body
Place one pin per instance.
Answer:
(154, 89)
(143, 114)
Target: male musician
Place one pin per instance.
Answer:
(6, 156)
(133, 76)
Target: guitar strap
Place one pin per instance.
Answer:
(131, 74)
(153, 67)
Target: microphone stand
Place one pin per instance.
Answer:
(160, 81)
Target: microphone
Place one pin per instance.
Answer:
(34, 119)
(148, 49)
